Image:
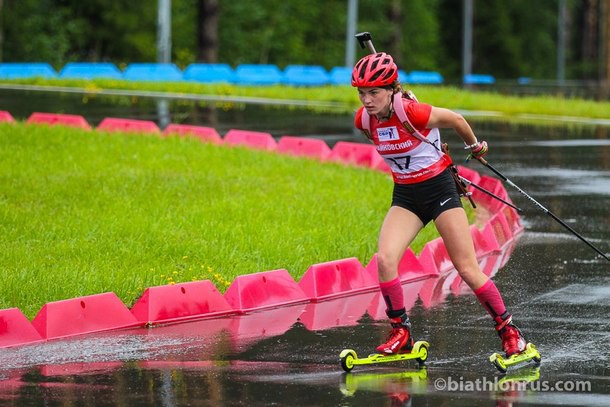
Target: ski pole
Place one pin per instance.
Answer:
(542, 208)
(480, 188)
(366, 40)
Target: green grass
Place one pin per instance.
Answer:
(83, 213)
(447, 96)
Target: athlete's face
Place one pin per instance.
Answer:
(376, 100)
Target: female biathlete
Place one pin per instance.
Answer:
(424, 190)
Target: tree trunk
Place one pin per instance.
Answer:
(589, 45)
(395, 21)
(207, 30)
(1, 29)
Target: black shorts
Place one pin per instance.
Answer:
(429, 198)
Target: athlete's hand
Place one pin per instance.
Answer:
(477, 150)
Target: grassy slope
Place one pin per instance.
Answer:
(88, 212)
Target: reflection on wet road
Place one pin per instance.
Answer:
(556, 287)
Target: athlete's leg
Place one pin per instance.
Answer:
(454, 229)
(398, 231)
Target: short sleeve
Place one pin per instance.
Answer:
(418, 114)
(358, 119)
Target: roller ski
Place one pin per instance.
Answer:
(399, 346)
(518, 352)
(419, 352)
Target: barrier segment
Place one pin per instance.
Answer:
(112, 124)
(266, 289)
(434, 256)
(409, 267)
(95, 313)
(178, 302)
(484, 244)
(254, 139)
(304, 147)
(205, 134)
(16, 329)
(248, 328)
(336, 278)
(357, 154)
(54, 119)
(6, 116)
(344, 311)
(469, 174)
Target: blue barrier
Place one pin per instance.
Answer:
(340, 75)
(403, 77)
(152, 72)
(479, 79)
(202, 72)
(305, 75)
(258, 74)
(425, 77)
(17, 70)
(90, 70)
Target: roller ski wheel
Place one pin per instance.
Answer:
(530, 354)
(349, 358)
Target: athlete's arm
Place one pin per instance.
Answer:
(448, 119)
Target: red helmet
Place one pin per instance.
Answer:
(374, 70)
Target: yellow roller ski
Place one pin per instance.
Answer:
(349, 358)
(529, 354)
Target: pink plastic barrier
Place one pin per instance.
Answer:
(483, 244)
(501, 230)
(470, 174)
(490, 264)
(254, 139)
(345, 311)
(206, 134)
(83, 315)
(434, 256)
(16, 329)
(434, 291)
(54, 119)
(494, 186)
(6, 116)
(264, 290)
(171, 303)
(513, 220)
(357, 154)
(303, 146)
(336, 278)
(253, 327)
(112, 124)
(409, 268)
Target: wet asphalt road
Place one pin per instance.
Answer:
(556, 287)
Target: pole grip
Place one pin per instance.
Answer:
(365, 39)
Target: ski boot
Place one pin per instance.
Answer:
(399, 339)
(517, 350)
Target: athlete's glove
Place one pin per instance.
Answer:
(477, 150)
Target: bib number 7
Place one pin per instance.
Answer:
(402, 162)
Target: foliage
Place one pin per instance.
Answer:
(511, 39)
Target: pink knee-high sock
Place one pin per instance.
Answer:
(394, 299)
(489, 296)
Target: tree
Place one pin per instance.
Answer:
(207, 30)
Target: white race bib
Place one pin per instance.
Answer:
(387, 133)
